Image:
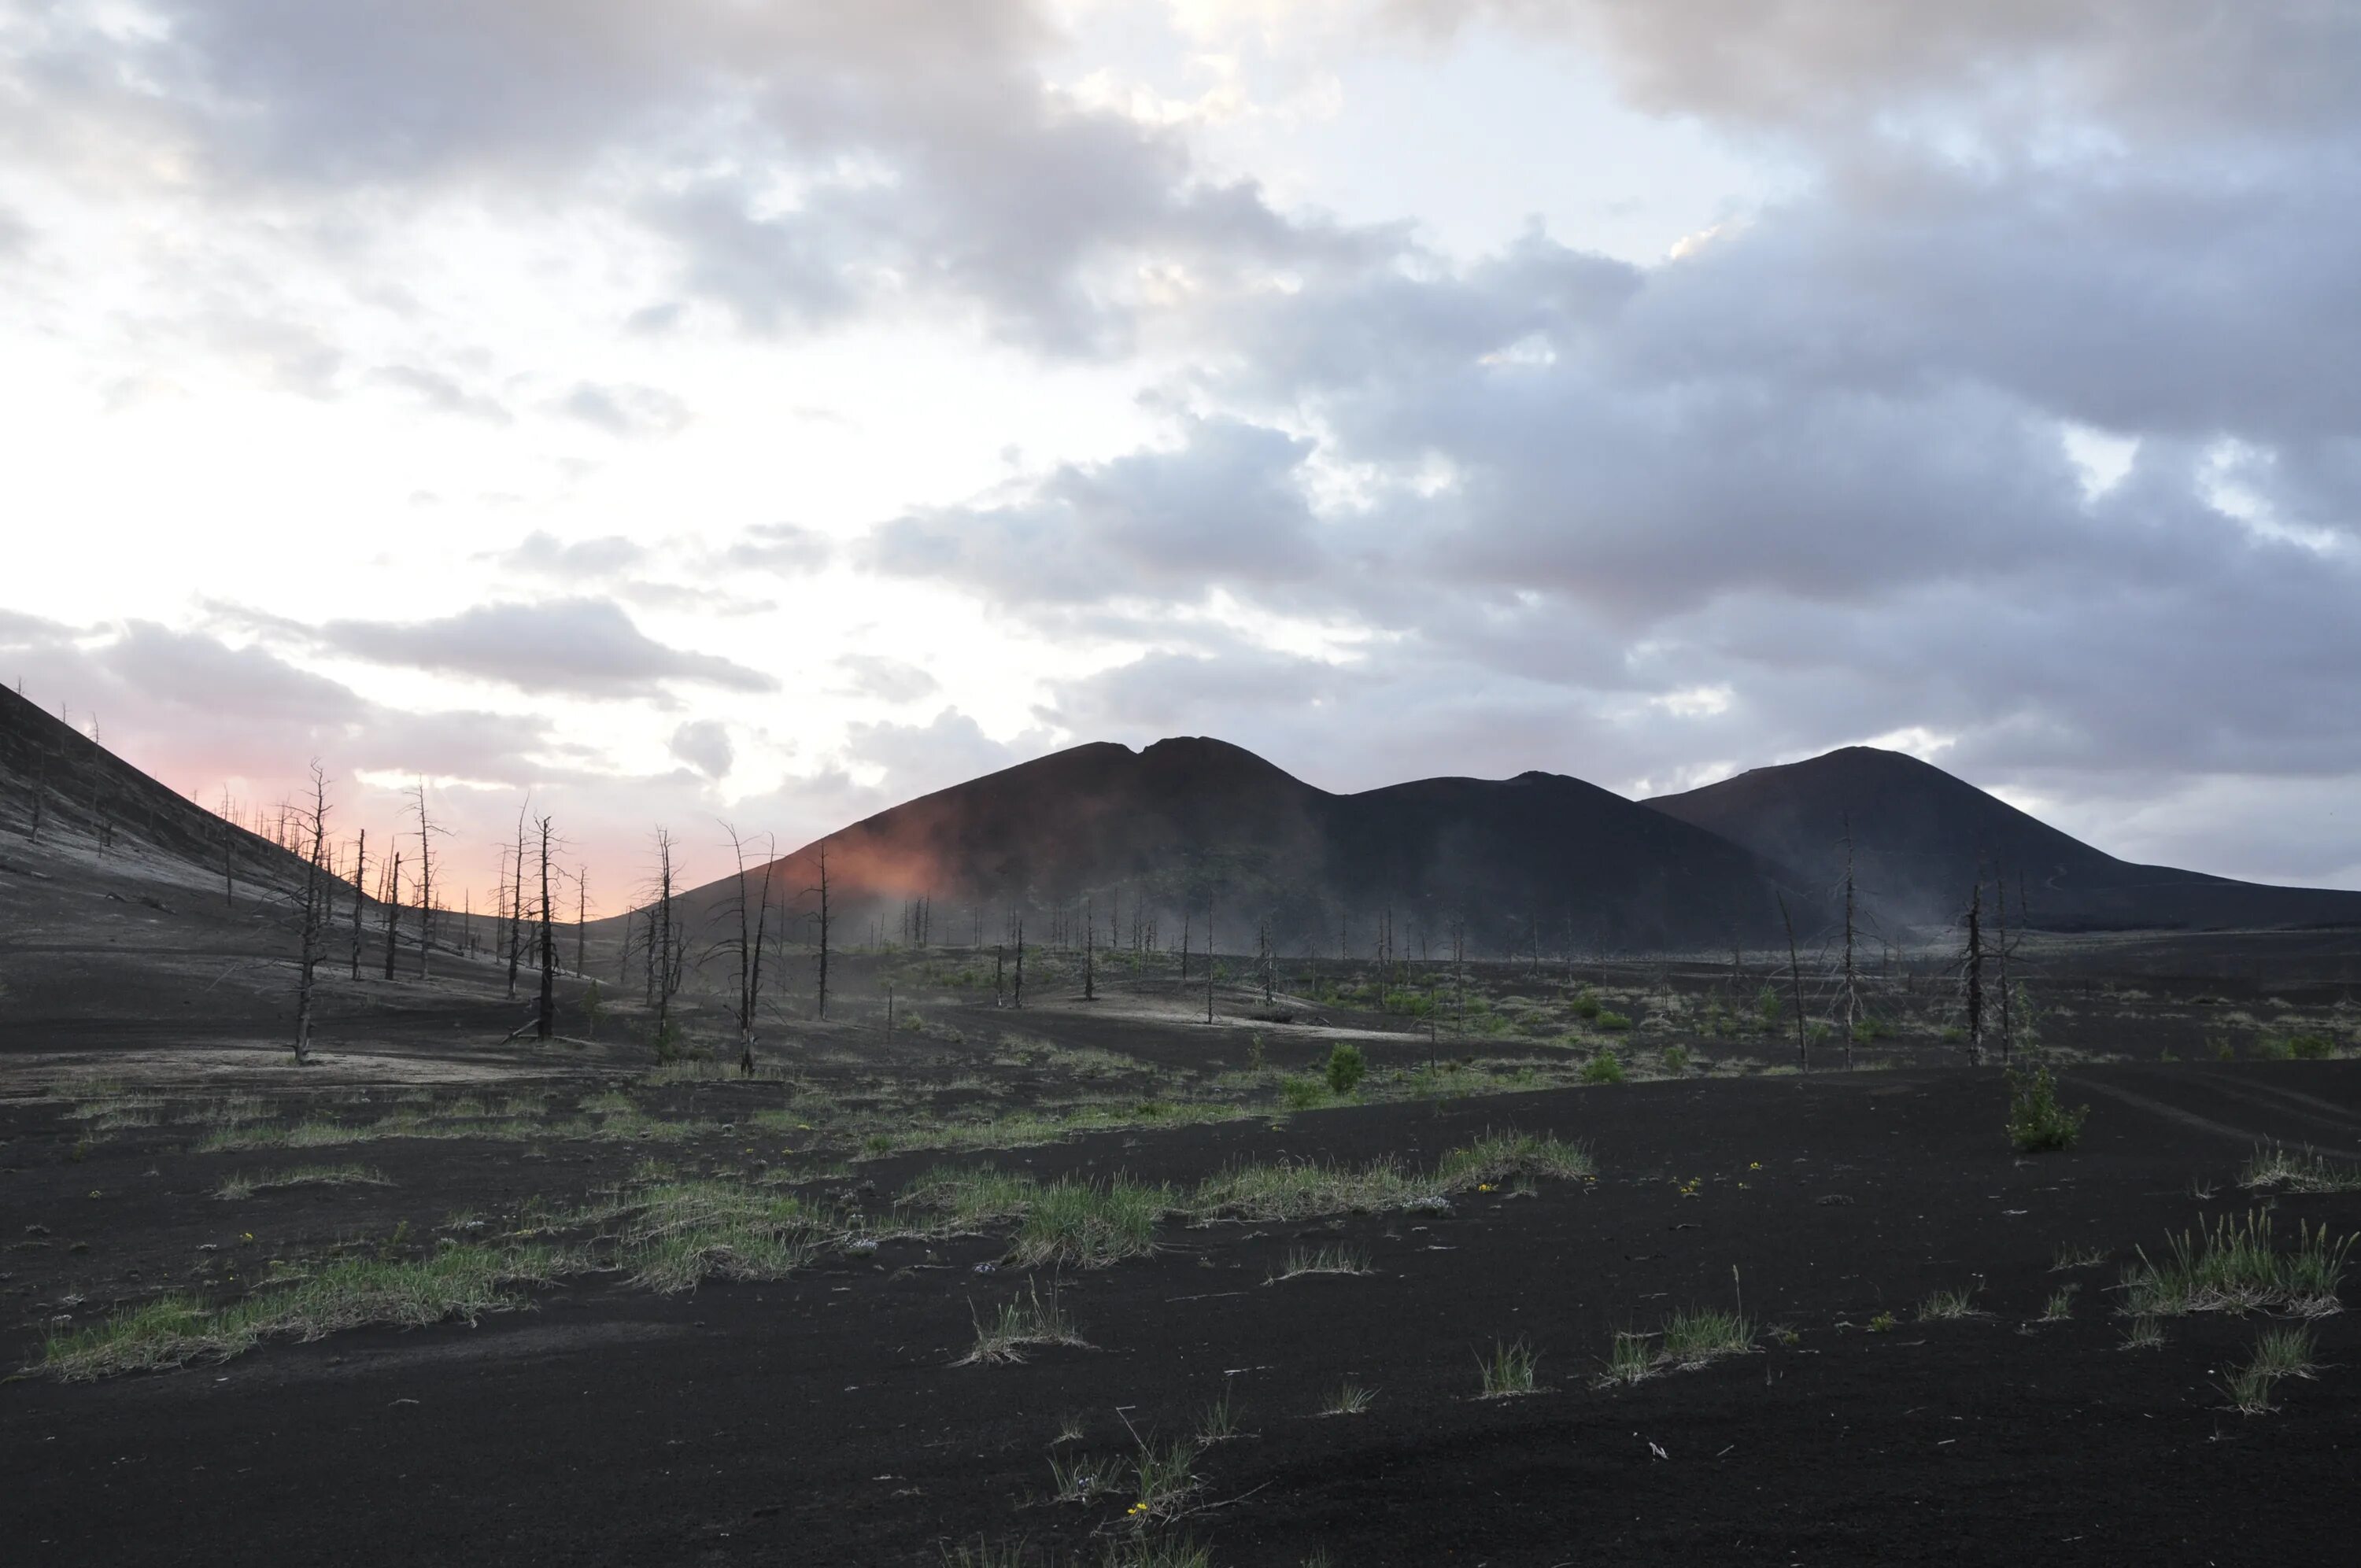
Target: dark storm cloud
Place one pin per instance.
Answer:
(1227, 506)
(585, 647)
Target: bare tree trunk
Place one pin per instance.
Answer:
(751, 936)
(1851, 989)
(1210, 964)
(1089, 953)
(1975, 973)
(581, 916)
(2000, 949)
(425, 878)
(516, 908)
(392, 910)
(546, 1019)
(1795, 984)
(360, 869)
(314, 921)
(824, 928)
(1019, 994)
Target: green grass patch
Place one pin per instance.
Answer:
(2236, 1264)
(1508, 1371)
(244, 1186)
(1331, 1259)
(458, 1281)
(1089, 1224)
(1604, 1068)
(1020, 1323)
(2299, 1170)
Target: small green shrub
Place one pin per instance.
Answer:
(1345, 1067)
(1586, 1005)
(1604, 1068)
(1676, 1060)
(1613, 1022)
(2038, 1120)
(1303, 1093)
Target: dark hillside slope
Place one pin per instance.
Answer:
(57, 784)
(1921, 837)
(1160, 832)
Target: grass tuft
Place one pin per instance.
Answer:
(244, 1186)
(1087, 1225)
(1020, 1323)
(1508, 1371)
(1693, 1338)
(2234, 1265)
(1945, 1306)
(2299, 1170)
(1497, 1157)
(1628, 1359)
(456, 1281)
(1349, 1399)
(1331, 1259)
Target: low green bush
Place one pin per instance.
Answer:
(2039, 1121)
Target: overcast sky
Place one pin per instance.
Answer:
(715, 410)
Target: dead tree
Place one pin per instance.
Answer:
(1210, 964)
(1852, 987)
(999, 958)
(1795, 984)
(545, 1018)
(2000, 953)
(1018, 995)
(516, 905)
(315, 913)
(581, 915)
(427, 832)
(393, 909)
(821, 889)
(1089, 953)
(360, 869)
(663, 952)
(748, 945)
(229, 838)
(1972, 967)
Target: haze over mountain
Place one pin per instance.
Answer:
(1539, 856)
(1155, 834)
(1921, 838)
(1163, 829)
